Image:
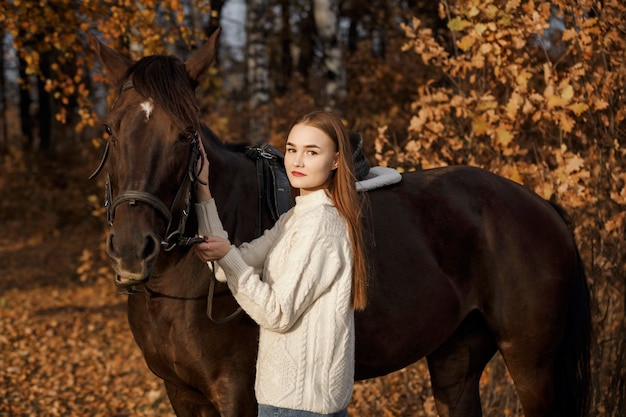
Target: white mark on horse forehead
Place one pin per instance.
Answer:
(147, 107)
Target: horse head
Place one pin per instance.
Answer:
(152, 150)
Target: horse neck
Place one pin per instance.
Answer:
(234, 186)
(179, 274)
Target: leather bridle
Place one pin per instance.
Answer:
(171, 238)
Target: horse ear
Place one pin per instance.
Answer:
(115, 63)
(199, 62)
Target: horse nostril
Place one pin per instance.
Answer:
(151, 247)
(110, 247)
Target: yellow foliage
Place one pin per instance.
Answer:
(458, 24)
(480, 126)
(132, 22)
(503, 136)
(466, 42)
(551, 119)
(578, 108)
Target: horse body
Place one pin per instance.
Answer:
(467, 263)
(464, 264)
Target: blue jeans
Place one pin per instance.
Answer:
(269, 411)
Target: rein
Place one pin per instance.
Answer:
(209, 305)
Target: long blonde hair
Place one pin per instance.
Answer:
(345, 197)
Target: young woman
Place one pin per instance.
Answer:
(302, 279)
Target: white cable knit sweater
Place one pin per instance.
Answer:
(302, 303)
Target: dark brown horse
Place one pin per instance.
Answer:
(465, 264)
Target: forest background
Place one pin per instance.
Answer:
(530, 90)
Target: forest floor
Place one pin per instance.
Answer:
(65, 345)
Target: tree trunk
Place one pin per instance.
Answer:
(378, 32)
(326, 13)
(258, 70)
(214, 20)
(45, 104)
(4, 141)
(305, 48)
(26, 122)
(285, 61)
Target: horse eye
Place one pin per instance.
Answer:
(108, 130)
(186, 135)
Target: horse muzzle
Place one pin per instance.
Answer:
(127, 285)
(132, 258)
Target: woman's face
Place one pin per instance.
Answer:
(310, 157)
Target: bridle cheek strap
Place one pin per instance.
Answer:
(132, 197)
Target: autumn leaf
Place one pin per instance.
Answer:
(513, 105)
(619, 197)
(511, 5)
(473, 11)
(522, 78)
(600, 104)
(578, 108)
(503, 136)
(505, 20)
(567, 93)
(479, 125)
(492, 11)
(458, 24)
(555, 101)
(466, 42)
(566, 122)
(487, 104)
(511, 172)
(574, 163)
(486, 48)
(569, 34)
(615, 223)
(417, 123)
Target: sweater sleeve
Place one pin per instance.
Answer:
(307, 274)
(209, 223)
(253, 253)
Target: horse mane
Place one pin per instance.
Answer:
(164, 80)
(234, 147)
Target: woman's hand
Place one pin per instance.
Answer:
(202, 190)
(212, 249)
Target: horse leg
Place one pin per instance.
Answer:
(549, 365)
(531, 364)
(230, 400)
(456, 366)
(533, 379)
(187, 405)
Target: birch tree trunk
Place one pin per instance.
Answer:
(326, 14)
(258, 69)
